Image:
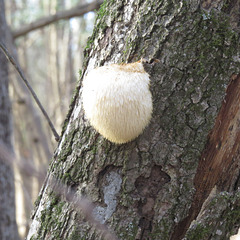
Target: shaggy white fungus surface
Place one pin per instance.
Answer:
(117, 100)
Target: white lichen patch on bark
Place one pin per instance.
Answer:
(110, 192)
(63, 139)
(76, 112)
(36, 223)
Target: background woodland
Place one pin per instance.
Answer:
(51, 57)
(181, 176)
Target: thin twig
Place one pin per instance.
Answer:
(17, 67)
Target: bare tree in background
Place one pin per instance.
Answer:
(180, 178)
(33, 141)
(8, 227)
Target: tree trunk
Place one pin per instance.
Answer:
(180, 178)
(8, 227)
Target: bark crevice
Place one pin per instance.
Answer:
(148, 189)
(216, 165)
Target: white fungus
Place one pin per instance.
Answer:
(117, 100)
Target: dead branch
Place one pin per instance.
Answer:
(20, 72)
(66, 14)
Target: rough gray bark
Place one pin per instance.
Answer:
(8, 228)
(180, 178)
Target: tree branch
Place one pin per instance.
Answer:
(14, 63)
(66, 14)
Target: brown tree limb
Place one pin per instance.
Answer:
(66, 14)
